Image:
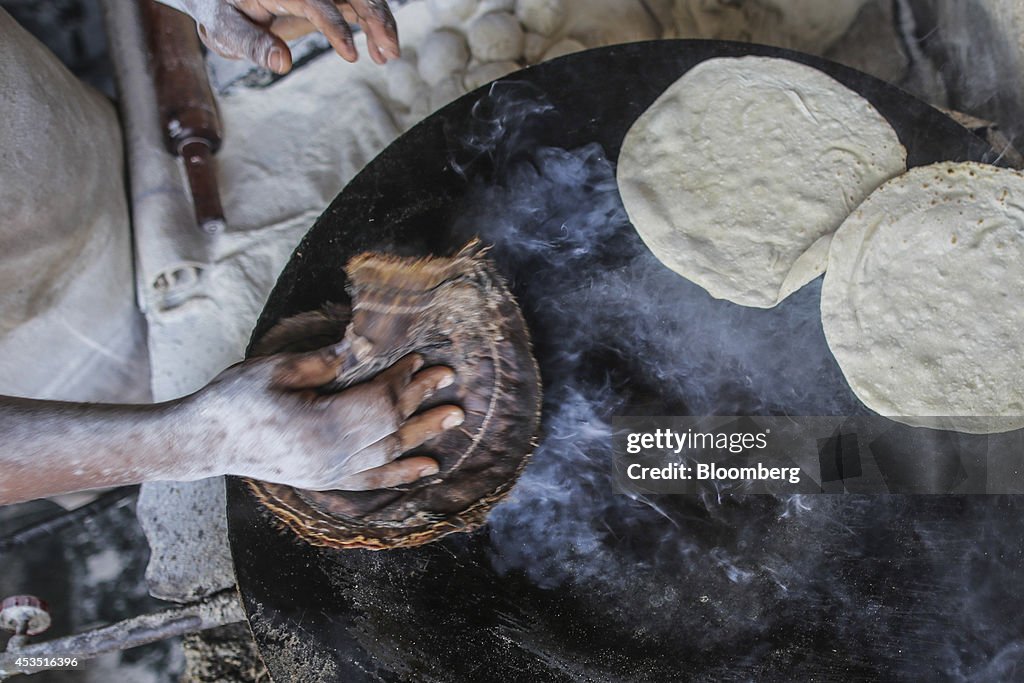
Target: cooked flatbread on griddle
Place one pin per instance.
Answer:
(923, 299)
(739, 173)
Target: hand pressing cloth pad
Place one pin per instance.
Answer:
(456, 312)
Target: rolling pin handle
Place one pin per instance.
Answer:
(187, 106)
(202, 182)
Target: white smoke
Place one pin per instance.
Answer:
(616, 333)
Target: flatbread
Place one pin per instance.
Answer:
(923, 300)
(741, 170)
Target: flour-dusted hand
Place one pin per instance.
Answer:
(273, 426)
(256, 30)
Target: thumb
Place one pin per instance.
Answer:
(233, 35)
(313, 369)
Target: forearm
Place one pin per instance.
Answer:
(249, 421)
(47, 448)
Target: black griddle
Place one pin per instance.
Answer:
(902, 567)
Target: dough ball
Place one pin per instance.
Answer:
(617, 22)
(541, 16)
(923, 299)
(807, 25)
(566, 46)
(661, 13)
(740, 172)
(487, 6)
(404, 84)
(451, 12)
(446, 91)
(441, 54)
(419, 109)
(534, 47)
(485, 73)
(496, 37)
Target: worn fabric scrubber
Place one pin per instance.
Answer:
(455, 312)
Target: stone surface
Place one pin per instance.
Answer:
(221, 655)
(186, 529)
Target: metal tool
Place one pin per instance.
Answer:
(188, 110)
(27, 615)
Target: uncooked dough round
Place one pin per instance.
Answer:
(441, 54)
(541, 16)
(496, 37)
(739, 173)
(923, 300)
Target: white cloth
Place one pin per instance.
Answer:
(69, 329)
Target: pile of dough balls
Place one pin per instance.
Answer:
(476, 42)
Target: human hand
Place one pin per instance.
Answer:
(271, 423)
(257, 29)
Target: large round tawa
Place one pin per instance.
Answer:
(442, 612)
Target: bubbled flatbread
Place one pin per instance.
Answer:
(738, 174)
(923, 300)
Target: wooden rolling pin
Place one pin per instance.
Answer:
(188, 110)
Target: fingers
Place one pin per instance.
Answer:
(422, 428)
(371, 46)
(398, 376)
(410, 390)
(235, 36)
(306, 371)
(320, 367)
(312, 369)
(290, 28)
(415, 432)
(421, 387)
(379, 25)
(327, 19)
(254, 29)
(393, 474)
